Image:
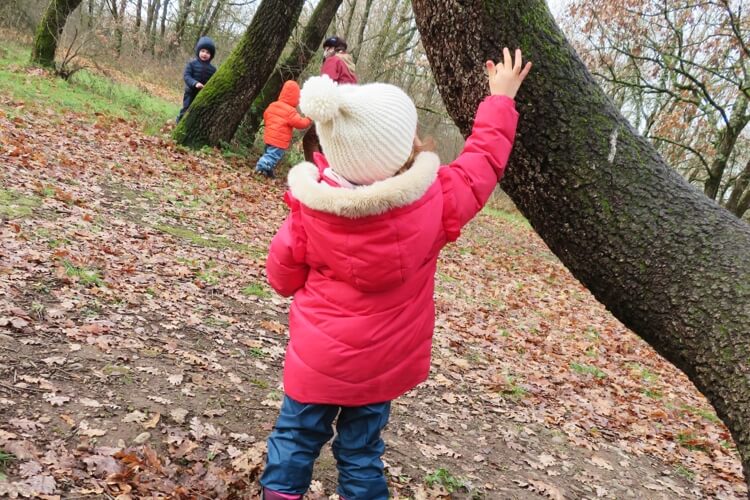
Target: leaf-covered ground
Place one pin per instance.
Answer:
(141, 349)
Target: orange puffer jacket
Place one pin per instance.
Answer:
(281, 117)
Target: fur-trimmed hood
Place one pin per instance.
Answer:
(373, 237)
(363, 201)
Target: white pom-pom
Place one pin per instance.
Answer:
(320, 98)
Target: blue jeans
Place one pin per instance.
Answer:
(303, 429)
(270, 158)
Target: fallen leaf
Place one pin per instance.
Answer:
(217, 412)
(83, 428)
(42, 484)
(151, 422)
(30, 468)
(600, 462)
(251, 460)
(18, 323)
(160, 400)
(655, 487)
(178, 414)
(134, 416)
(102, 466)
(55, 400)
(449, 398)
(90, 403)
(55, 360)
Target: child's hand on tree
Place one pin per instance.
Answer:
(506, 78)
(199, 85)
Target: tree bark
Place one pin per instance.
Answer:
(349, 18)
(290, 69)
(49, 30)
(118, 15)
(217, 111)
(357, 50)
(208, 25)
(163, 27)
(181, 23)
(151, 10)
(726, 142)
(740, 190)
(668, 262)
(138, 8)
(151, 28)
(202, 19)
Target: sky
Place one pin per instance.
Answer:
(557, 6)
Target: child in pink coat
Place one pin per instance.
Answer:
(359, 252)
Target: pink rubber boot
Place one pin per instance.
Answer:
(275, 495)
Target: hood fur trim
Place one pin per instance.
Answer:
(362, 201)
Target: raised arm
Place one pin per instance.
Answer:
(469, 181)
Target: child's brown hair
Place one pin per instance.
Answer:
(419, 146)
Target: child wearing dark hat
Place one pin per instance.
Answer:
(359, 253)
(338, 65)
(197, 72)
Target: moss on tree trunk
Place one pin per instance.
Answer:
(290, 68)
(49, 30)
(218, 109)
(668, 262)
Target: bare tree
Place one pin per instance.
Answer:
(679, 70)
(164, 11)
(49, 30)
(183, 12)
(117, 10)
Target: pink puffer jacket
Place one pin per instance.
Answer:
(361, 265)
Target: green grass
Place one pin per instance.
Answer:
(209, 277)
(257, 352)
(256, 290)
(84, 274)
(585, 369)
(5, 460)
(512, 217)
(14, 205)
(653, 393)
(86, 92)
(444, 478)
(691, 441)
(706, 414)
(209, 240)
(683, 471)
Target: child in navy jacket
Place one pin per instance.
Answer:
(197, 72)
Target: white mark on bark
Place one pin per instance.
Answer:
(613, 145)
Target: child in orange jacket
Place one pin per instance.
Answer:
(281, 118)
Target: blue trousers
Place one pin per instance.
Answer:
(270, 158)
(303, 429)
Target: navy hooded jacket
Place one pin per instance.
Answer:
(197, 70)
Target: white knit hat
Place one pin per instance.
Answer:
(366, 131)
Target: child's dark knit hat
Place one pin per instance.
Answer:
(205, 43)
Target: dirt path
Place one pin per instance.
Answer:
(141, 350)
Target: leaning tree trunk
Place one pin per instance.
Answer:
(218, 109)
(49, 30)
(668, 262)
(290, 69)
